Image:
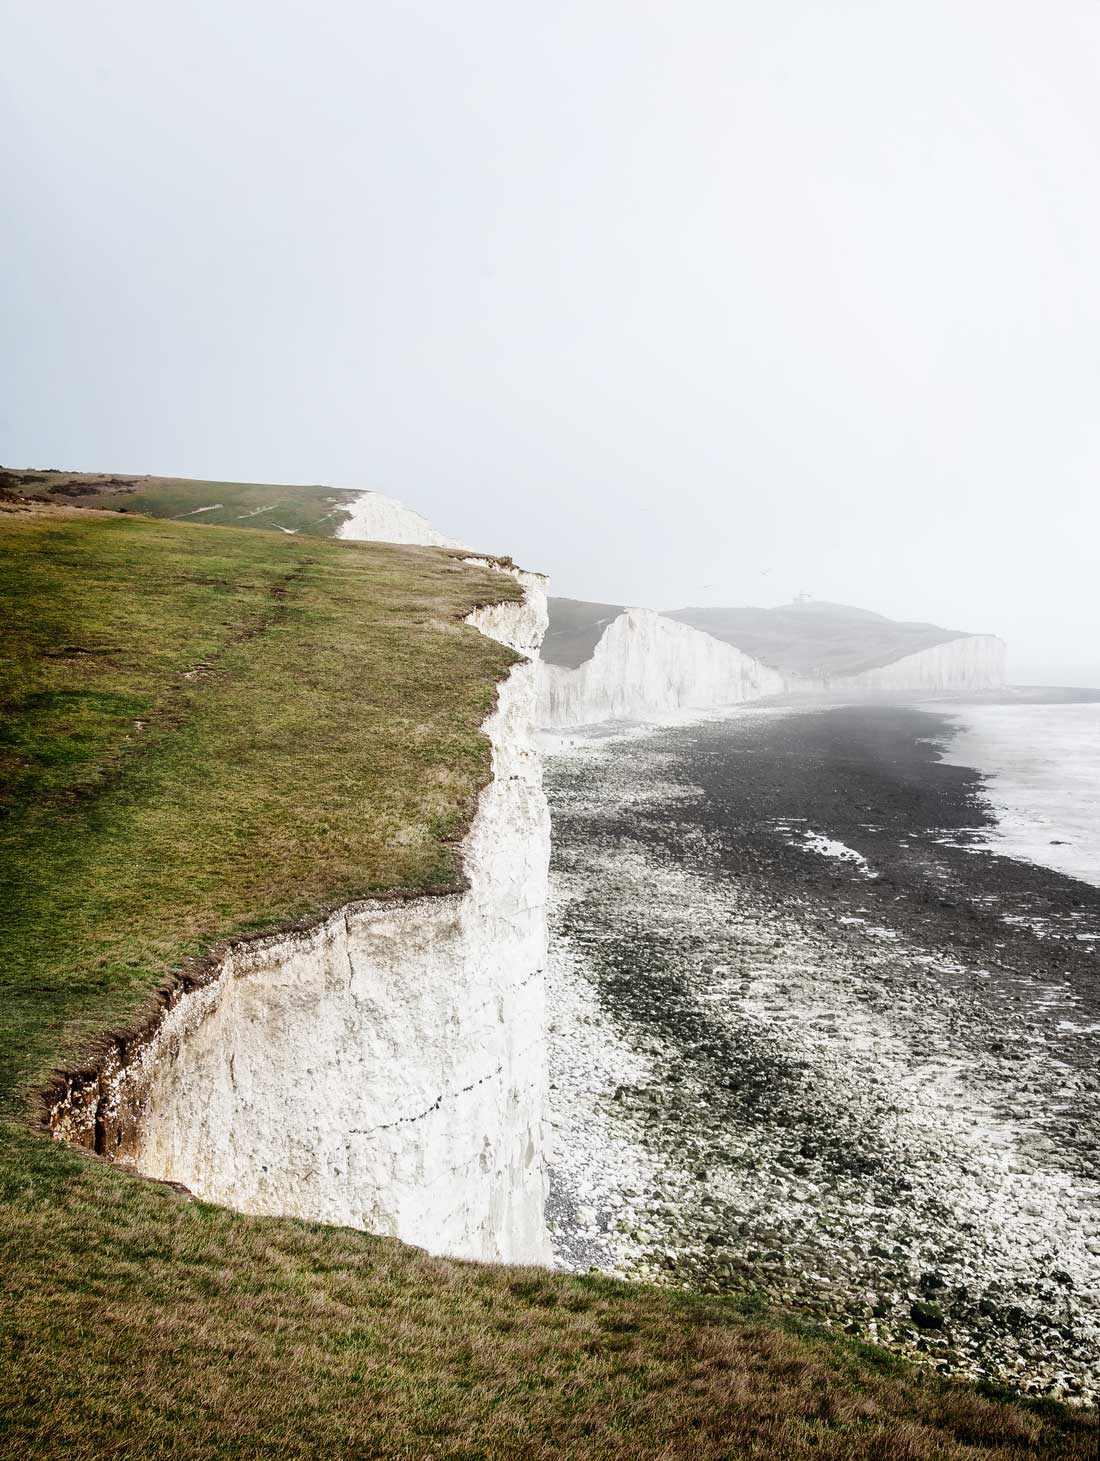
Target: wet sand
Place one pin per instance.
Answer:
(813, 1045)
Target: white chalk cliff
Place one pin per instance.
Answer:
(646, 665)
(381, 519)
(820, 645)
(386, 1069)
(603, 662)
(970, 662)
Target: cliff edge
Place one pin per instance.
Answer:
(279, 848)
(385, 1068)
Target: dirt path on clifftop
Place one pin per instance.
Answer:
(808, 1046)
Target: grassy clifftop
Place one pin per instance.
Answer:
(207, 733)
(318, 511)
(211, 732)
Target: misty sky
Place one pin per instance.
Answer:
(683, 303)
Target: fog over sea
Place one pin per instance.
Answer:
(1041, 765)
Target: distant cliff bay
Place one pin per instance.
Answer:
(604, 662)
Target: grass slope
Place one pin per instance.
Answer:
(210, 732)
(575, 629)
(318, 510)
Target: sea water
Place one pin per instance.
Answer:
(1041, 765)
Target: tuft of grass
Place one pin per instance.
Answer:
(209, 733)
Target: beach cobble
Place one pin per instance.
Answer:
(799, 1053)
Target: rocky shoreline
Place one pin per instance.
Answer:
(810, 1047)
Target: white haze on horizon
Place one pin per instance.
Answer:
(700, 303)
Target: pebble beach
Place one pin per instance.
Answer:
(814, 1045)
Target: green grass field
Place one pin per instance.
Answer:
(206, 733)
(317, 510)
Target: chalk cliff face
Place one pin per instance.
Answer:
(381, 519)
(387, 1069)
(974, 662)
(645, 665)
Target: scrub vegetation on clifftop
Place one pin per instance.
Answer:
(208, 733)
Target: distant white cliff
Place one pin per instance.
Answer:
(971, 662)
(603, 662)
(385, 1069)
(645, 665)
(817, 645)
(381, 519)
